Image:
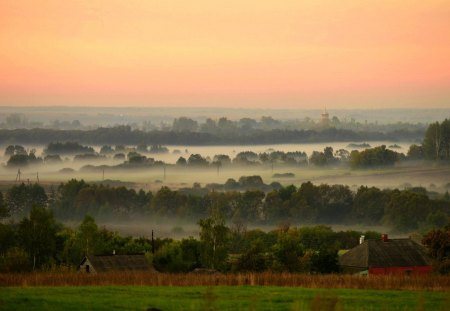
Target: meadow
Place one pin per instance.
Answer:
(216, 298)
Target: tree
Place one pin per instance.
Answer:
(37, 236)
(4, 212)
(106, 149)
(184, 124)
(214, 236)
(88, 235)
(253, 258)
(181, 161)
(197, 160)
(318, 158)
(288, 250)
(438, 244)
(433, 142)
(415, 152)
(20, 198)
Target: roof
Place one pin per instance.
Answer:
(107, 263)
(391, 253)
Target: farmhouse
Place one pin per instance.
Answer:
(386, 256)
(110, 263)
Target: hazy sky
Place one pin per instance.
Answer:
(234, 53)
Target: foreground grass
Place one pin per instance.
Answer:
(332, 281)
(216, 298)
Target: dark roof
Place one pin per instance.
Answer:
(119, 263)
(391, 253)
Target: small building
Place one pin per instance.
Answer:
(386, 256)
(114, 263)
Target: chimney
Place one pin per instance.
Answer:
(361, 239)
(384, 237)
(114, 251)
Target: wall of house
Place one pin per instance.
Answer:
(400, 270)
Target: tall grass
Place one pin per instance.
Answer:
(429, 283)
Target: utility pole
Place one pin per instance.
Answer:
(164, 172)
(103, 174)
(18, 175)
(37, 177)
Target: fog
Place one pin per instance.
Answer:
(433, 178)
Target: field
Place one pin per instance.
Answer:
(216, 298)
(263, 291)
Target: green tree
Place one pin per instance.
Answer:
(415, 152)
(433, 142)
(89, 236)
(20, 198)
(214, 236)
(37, 236)
(253, 258)
(4, 212)
(288, 251)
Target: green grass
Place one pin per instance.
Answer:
(216, 298)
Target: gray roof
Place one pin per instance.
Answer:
(392, 253)
(108, 263)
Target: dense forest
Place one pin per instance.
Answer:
(402, 210)
(125, 135)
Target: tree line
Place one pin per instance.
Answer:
(39, 242)
(126, 135)
(402, 210)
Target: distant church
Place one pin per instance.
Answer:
(325, 118)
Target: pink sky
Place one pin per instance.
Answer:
(235, 53)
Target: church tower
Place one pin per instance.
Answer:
(325, 118)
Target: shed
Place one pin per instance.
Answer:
(386, 256)
(110, 263)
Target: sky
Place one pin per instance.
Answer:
(235, 53)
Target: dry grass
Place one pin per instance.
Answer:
(419, 283)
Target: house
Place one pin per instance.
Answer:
(386, 256)
(110, 263)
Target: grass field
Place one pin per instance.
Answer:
(216, 298)
(246, 291)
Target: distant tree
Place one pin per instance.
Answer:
(415, 152)
(52, 159)
(106, 149)
(369, 205)
(18, 160)
(142, 148)
(223, 159)
(158, 149)
(374, 157)
(197, 160)
(251, 182)
(9, 151)
(210, 126)
(247, 124)
(184, 124)
(20, 198)
(119, 156)
(67, 148)
(318, 158)
(181, 161)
